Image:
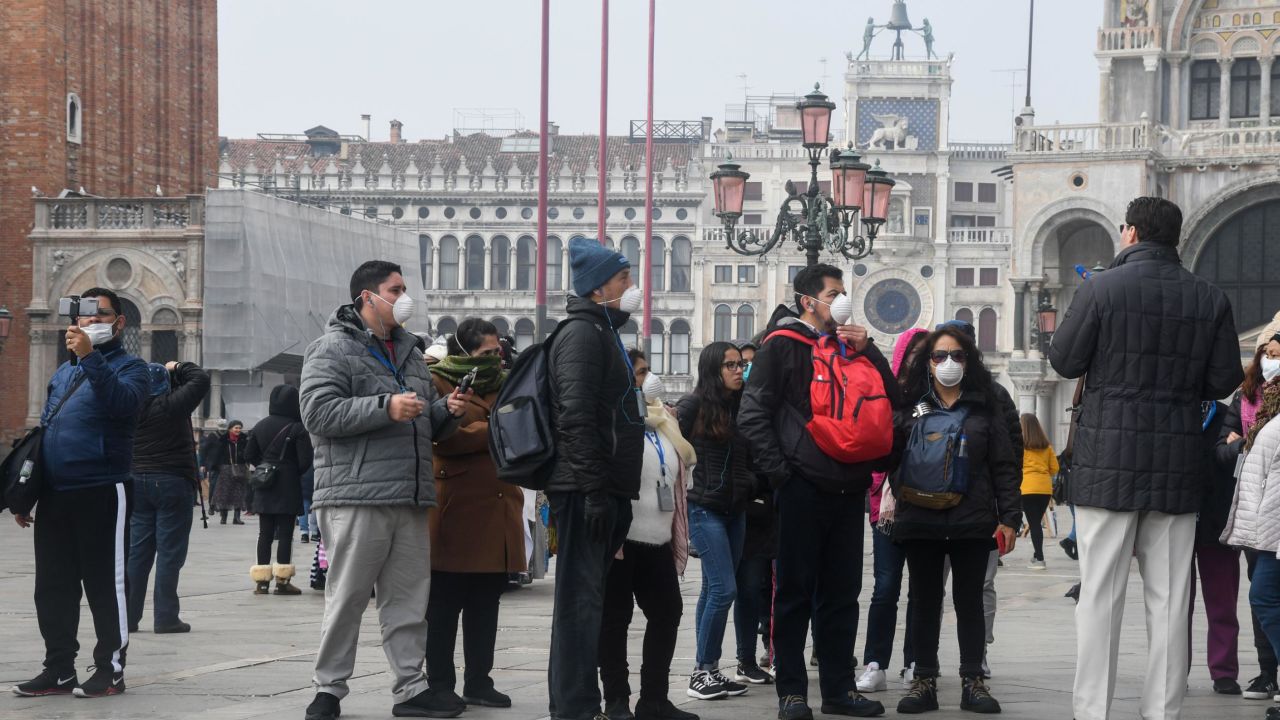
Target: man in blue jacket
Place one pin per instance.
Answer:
(82, 533)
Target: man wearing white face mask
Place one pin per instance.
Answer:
(598, 414)
(90, 419)
(373, 412)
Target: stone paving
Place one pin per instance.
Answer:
(251, 656)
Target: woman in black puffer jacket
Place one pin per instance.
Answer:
(722, 486)
(278, 438)
(950, 378)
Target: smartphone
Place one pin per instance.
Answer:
(465, 385)
(1000, 543)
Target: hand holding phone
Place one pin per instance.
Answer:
(469, 378)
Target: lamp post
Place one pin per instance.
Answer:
(812, 219)
(1046, 322)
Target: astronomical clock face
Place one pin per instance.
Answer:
(892, 306)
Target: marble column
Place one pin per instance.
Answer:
(488, 266)
(512, 267)
(1175, 91)
(435, 266)
(1104, 89)
(1151, 64)
(1224, 92)
(1264, 109)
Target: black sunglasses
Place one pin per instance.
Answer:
(940, 356)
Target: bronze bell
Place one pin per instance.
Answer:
(898, 17)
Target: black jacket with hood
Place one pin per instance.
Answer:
(164, 442)
(595, 413)
(292, 454)
(775, 410)
(722, 480)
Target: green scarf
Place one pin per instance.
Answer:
(488, 378)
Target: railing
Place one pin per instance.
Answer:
(1129, 38)
(119, 213)
(669, 130)
(1218, 142)
(755, 151)
(901, 68)
(980, 236)
(1096, 137)
(979, 151)
(714, 237)
(1170, 143)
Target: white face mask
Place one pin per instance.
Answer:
(841, 309)
(401, 309)
(949, 373)
(631, 301)
(99, 333)
(653, 388)
(1270, 368)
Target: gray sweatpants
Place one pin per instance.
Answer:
(386, 549)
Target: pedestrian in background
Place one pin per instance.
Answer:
(1039, 466)
(281, 441)
(1219, 564)
(231, 468)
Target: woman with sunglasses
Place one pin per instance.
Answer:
(951, 379)
(722, 486)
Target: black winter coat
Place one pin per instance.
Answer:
(1012, 420)
(595, 412)
(1155, 341)
(1216, 506)
(292, 453)
(994, 494)
(164, 443)
(762, 523)
(722, 479)
(775, 410)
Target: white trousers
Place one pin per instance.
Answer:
(1107, 542)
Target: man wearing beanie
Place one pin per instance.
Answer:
(599, 424)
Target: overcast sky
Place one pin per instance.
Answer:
(287, 65)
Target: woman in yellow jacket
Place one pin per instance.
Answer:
(1039, 465)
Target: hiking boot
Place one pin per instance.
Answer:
(750, 673)
(705, 686)
(853, 705)
(494, 699)
(661, 709)
(101, 684)
(428, 703)
(178, 627)
(619, 709)
(921, 698)
(794, 707)
(872, 679)
(325, 706)
(975, 697)
(733, 689)
(1262, 687)
(47, 683)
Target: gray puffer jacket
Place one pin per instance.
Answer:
(362, 457)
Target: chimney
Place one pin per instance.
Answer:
(706, 128)
(553, 129)
(396, 127)
(368, 131)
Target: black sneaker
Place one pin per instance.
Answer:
(305, 538)
(325, 706)
(1262, 687)
(102, 684)
(447, 697)
(975, 697)
(854, 705)
(733, 689)
(794, 707)
(1273, 712)
(428, 703)
(178, 627)
(662, 709)
(752, 674)
(705, 686)
(619, 709)
(921, 698)
(47, 683)
(492, 698)
(1226, 686)
(1069, 547)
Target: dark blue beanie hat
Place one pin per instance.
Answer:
(593, 265)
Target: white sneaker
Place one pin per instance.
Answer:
(872, 679)
(908, 676)
(1037, 565)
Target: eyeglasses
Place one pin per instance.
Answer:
(940, 356)
(732, 365)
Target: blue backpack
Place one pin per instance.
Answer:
(934, 473)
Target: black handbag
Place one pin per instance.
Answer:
(1062, 481)
(264, 475)
(21, 472)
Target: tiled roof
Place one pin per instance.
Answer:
(469, 154)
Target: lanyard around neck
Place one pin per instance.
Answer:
(656, 442)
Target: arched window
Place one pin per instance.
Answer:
(475, 263)
(680, 348)
(555, 264)
(524, 333)
(631, 251)
(446, 326)
(1205, 85)
(501, 260)
(608, 243)
(723, 323)
(164, 336)
(746, 322)
(425, 260)
(629, 333)
(655, 352)
(1246, 87)
(965, 314)
(1242, 259)
(449, 263)
(75, 118)
(681, 264)
(658, 261)
(987, 330)
(526, 263)
(501, 324)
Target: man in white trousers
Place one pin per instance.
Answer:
(1153, 341)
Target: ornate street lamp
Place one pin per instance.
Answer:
(6, 323)
(819, 222)
(1046, 322)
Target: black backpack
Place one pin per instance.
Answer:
(521, 436)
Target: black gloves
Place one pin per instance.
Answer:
(599, 514)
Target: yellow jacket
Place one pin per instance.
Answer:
(1038, 469)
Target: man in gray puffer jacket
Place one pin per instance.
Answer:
(372, 411)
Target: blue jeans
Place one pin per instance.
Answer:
(1264, 596)
(882, 617)
(1072, 535)
(303, 526)
(719, 539)
(159, 531)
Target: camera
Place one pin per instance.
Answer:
(75, 307)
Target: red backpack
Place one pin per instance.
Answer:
(852, 416)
